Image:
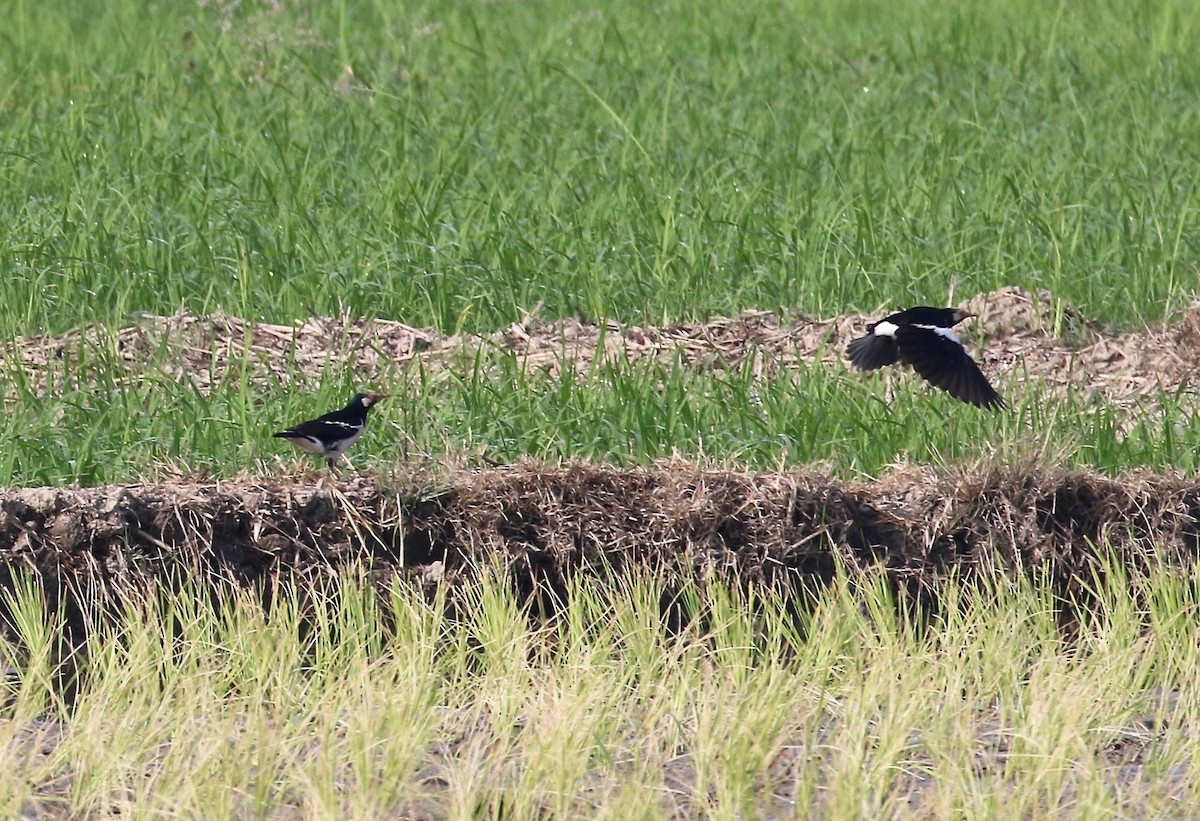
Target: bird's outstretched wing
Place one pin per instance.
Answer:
(871, 352)
(938, 356)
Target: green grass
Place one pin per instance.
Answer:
(626, 160)
(641, 162)
(188, 708)
(92, 428)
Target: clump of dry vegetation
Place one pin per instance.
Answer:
(1048, 343)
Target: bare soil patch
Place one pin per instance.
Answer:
(1016, 333)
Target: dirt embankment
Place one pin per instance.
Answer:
(789, 531)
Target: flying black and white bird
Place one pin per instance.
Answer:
(922, 338)
(331, 435)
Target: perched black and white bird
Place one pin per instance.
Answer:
(332, 434)
(922, 337)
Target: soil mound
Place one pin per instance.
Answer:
(787, 531)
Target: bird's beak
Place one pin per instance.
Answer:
(377, 397)
(965, 315)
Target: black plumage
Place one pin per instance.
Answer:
(331, 435)
(922, 338)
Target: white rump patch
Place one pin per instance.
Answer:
(886, 328)
(341, 446)
(307, 444)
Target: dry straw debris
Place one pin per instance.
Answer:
(1018, 332)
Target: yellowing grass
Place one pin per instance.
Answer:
(228, 711)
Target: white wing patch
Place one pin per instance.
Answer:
(943, 332)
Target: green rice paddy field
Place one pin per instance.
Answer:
(464, 165)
